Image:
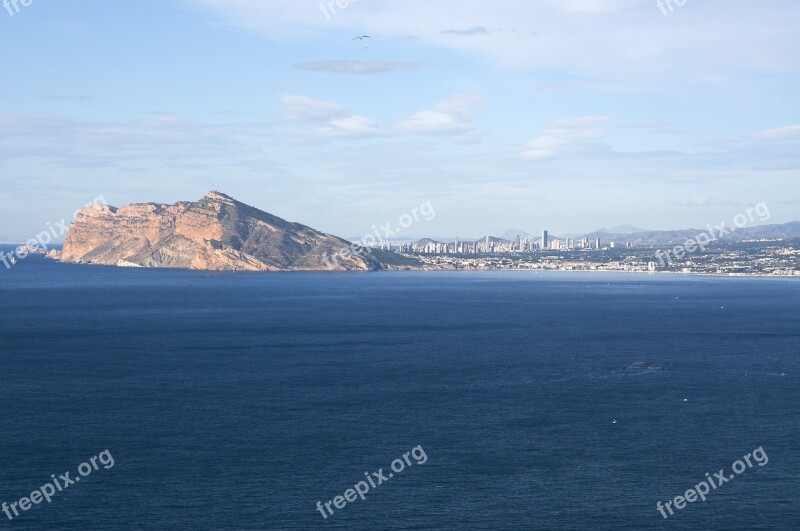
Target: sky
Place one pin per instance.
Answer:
(566, 115)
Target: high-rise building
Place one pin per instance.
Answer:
(545, 240)
(597, 244)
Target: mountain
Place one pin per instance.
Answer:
(494, 239)
(621, 229)
(511, 235)
(215, 233)
(667, 237)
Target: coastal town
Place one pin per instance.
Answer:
(741, 258)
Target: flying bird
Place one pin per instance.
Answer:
(361, 39)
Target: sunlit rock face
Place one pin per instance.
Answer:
(215, 233)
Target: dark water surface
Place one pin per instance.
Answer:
(237, 401)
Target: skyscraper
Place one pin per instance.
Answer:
(544, 239)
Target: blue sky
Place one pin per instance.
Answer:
(568, 115)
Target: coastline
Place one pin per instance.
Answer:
(615, 271)
(393, 269)
(444, 270)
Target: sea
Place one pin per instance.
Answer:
(461, 400)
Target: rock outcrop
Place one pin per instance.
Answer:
(215, 233)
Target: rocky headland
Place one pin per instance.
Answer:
(215, 233)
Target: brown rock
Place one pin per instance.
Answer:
(214, 233)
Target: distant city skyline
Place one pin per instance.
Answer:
(565, 114)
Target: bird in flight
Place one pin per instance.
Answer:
(361, 39)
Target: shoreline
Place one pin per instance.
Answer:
(687, 273)
(437, 270)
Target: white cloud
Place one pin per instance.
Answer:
(603, 36)
(788, 132)
(324, 118)
(161, 137)
(704, 201)
(350, 126)
(475, 30)
(304, 109)
(449, 117)
(356, 67)
(565, 132)
(593, 6)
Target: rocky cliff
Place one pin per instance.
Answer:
(214, 233)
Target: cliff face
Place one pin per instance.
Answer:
(215, 233)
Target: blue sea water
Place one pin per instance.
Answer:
(541, 400)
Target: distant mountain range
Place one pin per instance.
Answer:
(621, 229)
(636, 236)
(511, 235)
(767, 232)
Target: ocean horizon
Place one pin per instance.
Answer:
(526, 400)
